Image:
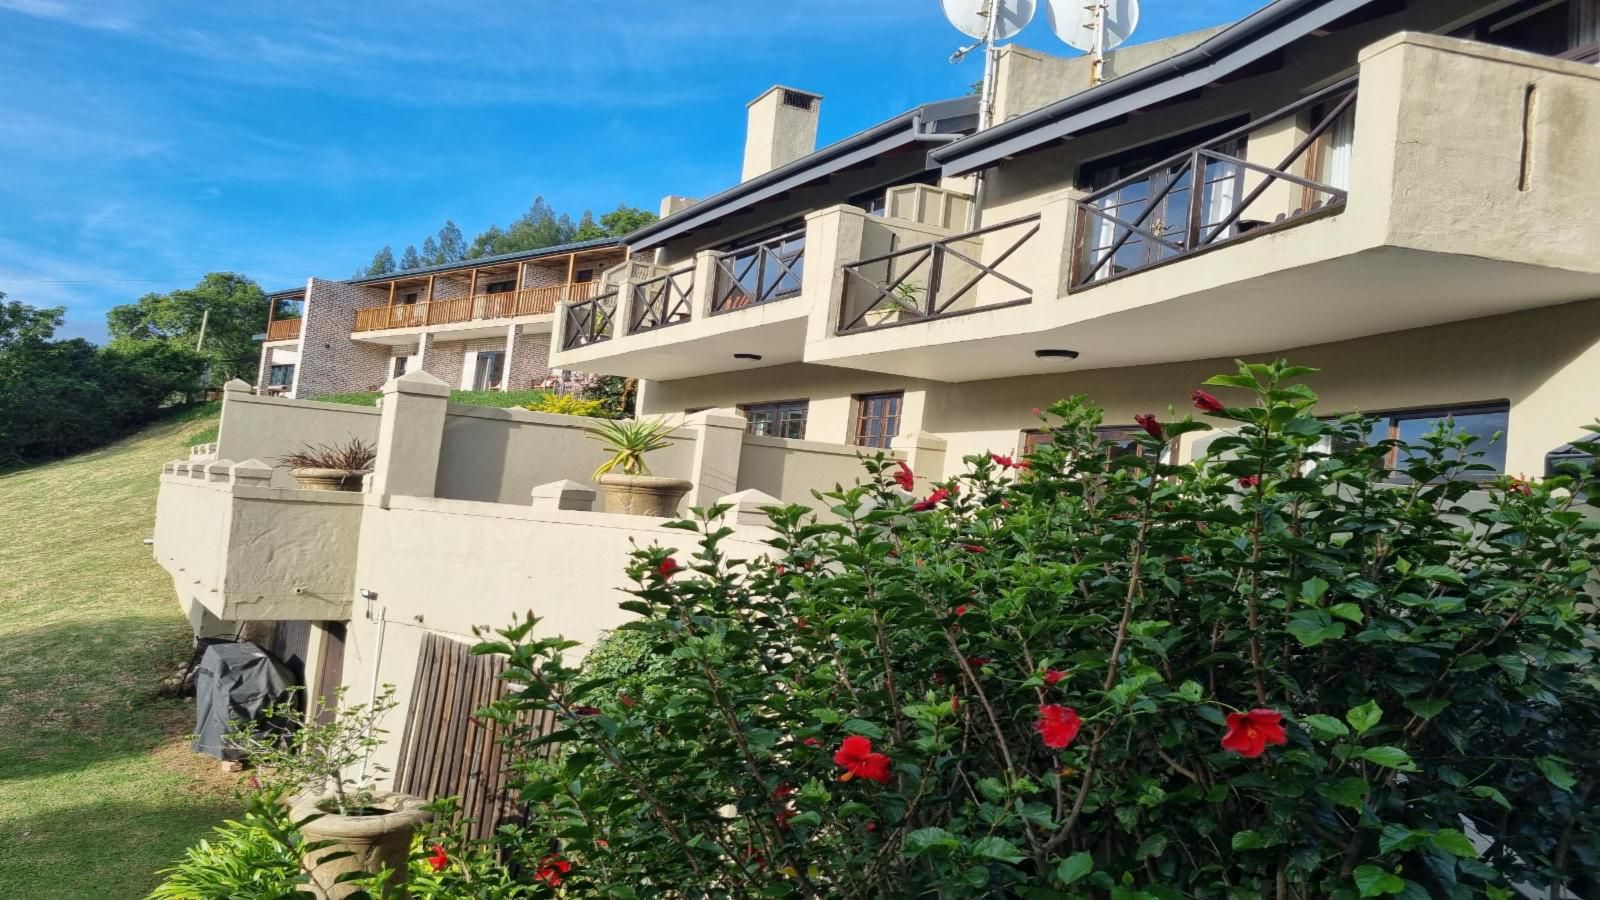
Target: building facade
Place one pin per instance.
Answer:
(481, 324)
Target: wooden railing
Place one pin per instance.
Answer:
(283, 329)
(662, 301)
(1196, 200)
(938, 279)
(540, 301)
(589, 321)
(760, 273)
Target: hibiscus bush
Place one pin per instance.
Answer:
(1309, 664)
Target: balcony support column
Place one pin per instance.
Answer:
(924, 453)
(511, 348)
(719, 441)
(410, 435)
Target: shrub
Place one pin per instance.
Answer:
(256, 857)
(567, 405)
(1271, 672)
(295, 753)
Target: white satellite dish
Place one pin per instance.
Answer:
(1073, 21)
(968, 16)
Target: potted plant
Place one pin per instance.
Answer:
(626, 485)
(336, 468)
(354, 827)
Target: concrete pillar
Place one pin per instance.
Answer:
(232, 392)
(720, 440)
(410, 434)
(833, 239)
(747, 507)
(705, 284)
(423, 340)
(563, 494)
(511, 348)
(253, 472)
(220, 472)
(924, 453)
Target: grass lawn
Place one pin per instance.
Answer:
(97, 785)
(470, 398)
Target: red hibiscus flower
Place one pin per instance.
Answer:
(1249, 481)
(974, 548)
(1053, 676)
(978, 662)
(856, 757)
(961, 610)
(1148, 422)
(1520, 485)
(1249, 733)
(782, 791)
(1058, 725)
(1004, 462)
(627, 700)
(780, 570)
(904, 477)
(872, 826)
(1205, 402)
(551, 868)
(439, 859)
(812, 742)
(668, 568)
(1037, 412)
(1022, 464)
(938, 496)
(801, 623)
(586, 710)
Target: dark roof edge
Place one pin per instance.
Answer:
(904, 126)
(520, 255)
(1250, 38)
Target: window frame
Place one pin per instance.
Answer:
(860, 405)
(1104, 433)
(274, 368)
(1391, 418)
(777, 407)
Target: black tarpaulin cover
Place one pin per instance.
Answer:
(233, 684)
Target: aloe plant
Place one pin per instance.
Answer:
(628, 440)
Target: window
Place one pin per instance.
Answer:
(400, 365)
(1482, 421)
(1119, 441)
(583, 275)
(488, 370)
(878, 418)
(500, 287)
(1329, 159)
(785, 419)
(281, 376)
(1550, 27)
(410, 298)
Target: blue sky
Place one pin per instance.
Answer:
(143, 144)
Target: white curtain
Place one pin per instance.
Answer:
(1337, 141)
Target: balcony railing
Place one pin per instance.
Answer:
(939, 279)
(761, 273)
(661, 301)
(1198, 199)
(503, 305)
(589, 321)
(283, 329)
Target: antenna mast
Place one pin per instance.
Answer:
(1097, 56)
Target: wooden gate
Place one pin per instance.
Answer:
(445, 750)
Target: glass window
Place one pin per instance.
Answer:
(280, 375)
(1483, 422)
(500, 287)
(785, 419)
(1117, 439)
(878, 418)
(490, 367)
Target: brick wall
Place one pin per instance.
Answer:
(530, 361)
(330, 362)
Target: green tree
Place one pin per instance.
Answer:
(410, 260)
(382, 262)
(452, 246)
(588, 229)
(233, 308)
(625, 220)
(430, 252)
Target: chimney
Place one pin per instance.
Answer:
(672, 203)
(782, 128)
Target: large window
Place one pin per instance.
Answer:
(785, 418)
(1482, 421)
(280, 376)
(878, 418)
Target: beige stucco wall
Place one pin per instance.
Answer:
(1029, 79)
(791, 469)
(265, 428)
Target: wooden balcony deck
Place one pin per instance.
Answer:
(505, 305)
(283, 329)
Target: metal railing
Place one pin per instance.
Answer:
(662, 301)
(1195, 200)
(539, 301)
(937, 279)
(283, 329)
(589, 321)
(760, 273)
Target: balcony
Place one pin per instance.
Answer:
(539, 301)
(1333, 218)
(283, 330)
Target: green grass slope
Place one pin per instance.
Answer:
(97, 787)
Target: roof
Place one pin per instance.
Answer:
(1246, 41)
(290, 292)
(519, 256)
(932, 123)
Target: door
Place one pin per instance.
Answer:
(489, 370)
(330, 674)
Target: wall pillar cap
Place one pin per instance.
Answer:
(748, 506)
(219, 471)
(252, 471)
(842, 209)
(918, 440)
(717, 418)
(237, 386)
(418, 384)
(563, 494)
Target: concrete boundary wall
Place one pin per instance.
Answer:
(265, 428)
(790, 469)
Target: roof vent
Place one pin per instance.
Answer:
(799, 100)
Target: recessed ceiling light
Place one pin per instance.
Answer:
(755, 356)
(1056, 354)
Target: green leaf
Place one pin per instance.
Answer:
(865, 728)
(926, 840)
(1312, 589)
(1389, 758)
(1399, 837)
(826, 716)
(1485, 792)
(1191, 691)
(1455, 843)
(1074, 868)
(1154, 845)
(997, 848)
(1375, 882)
(1345, 792)
(1248, 840)
(1325, 726)
(1429, 707)
(1312, 627)
(1441, 574)
(1363, 717)
(1515, 667)
(1350, 612)
(992, 789)
(1555, 770)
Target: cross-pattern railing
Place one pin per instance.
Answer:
(938, 279)
(1196, 200)
(662, 301)
(589, 321)
(760, 273)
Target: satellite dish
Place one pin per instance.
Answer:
(968, 17)
(1073, 21)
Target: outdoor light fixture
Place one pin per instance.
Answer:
(1056, 354)
(749, 356)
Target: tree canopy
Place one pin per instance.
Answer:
(540, 226)
(238, 311)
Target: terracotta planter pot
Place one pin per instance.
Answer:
(642, 495)
(328, 479)
(373, 842)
